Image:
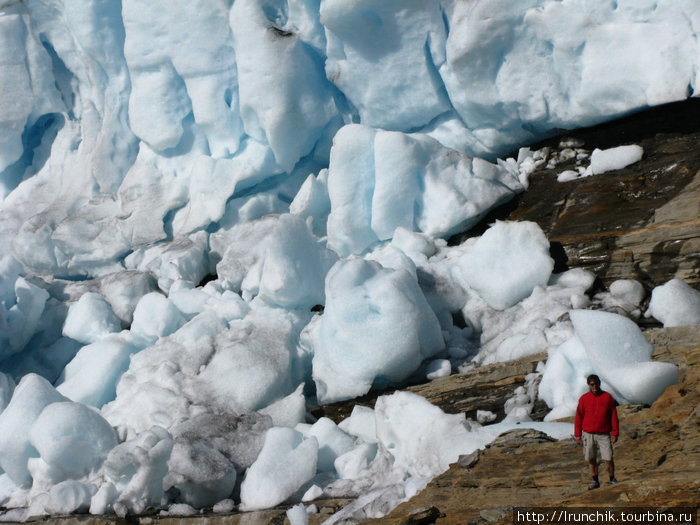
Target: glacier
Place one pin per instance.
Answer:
(216, 214)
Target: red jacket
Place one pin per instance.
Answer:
(596, 414)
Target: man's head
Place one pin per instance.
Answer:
(594, 384)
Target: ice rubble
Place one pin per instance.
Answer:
(216, 213)
(602, 161)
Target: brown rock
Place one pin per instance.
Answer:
(483, 388)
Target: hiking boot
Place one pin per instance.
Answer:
(612, 481)
(594, 485)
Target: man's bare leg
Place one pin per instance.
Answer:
(593, 465)
(610, 465)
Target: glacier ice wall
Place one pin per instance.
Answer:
(124, 125)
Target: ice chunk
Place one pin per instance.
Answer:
(252, 362)
(349, 228)
(155, 316)
(564, 378)
(356, 461)
(569, 175)
(223, 506)
(69, 496)
(620, 354)
(314, 492)
(122, 290)
(294, 266)
(72, 438)
(614, 158)
(574, 278)
(103, 500)
(163, 379)
(412, 243)
(376, 328)
(201, 474)
(7, 387)
(507, 262)
(297, 515)
(438, 368)
(288, 411)
(332, 443)
(238, 438)
(625, 297)
(137, 468)
(10, 270)
(675, 304)
(628, 290)
(92, 375)
(533, 325)
(20, 317)
(210, 298)
(361, 423)
(179, 509)
(237, 249)
(90, 318)
(485, 416)
(214, 181)
(610, 340)
(643, 383)
(312, 202)
(286, 462)
(392, 258)
(519, 406)
(380, 180)
(32, 395)
(422, 439)
(182, 259)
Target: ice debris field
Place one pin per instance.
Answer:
(215, 215)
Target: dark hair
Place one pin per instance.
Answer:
(593, 378)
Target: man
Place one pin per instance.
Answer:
(596, 421)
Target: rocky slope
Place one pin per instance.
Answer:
(642, 222)
(657, 459)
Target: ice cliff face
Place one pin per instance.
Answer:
(127, 125)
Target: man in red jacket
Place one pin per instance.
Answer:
(596, 421)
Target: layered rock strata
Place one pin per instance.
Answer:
(641, 222)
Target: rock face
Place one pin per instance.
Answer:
(641, 222)
(484, 388)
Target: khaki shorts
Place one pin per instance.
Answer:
(593, 442)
